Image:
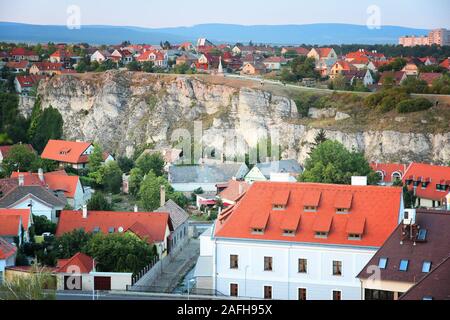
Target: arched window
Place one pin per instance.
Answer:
(381, 174)
(396, 176)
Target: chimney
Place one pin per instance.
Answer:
(41, 175)
(163, 196)
(241, 189)
(85, 212)
(359, 181)
(21, 180)
(136, 209)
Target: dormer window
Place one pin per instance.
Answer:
(289, 233)
(321, 235)
(354, 237)
(310, 209)
(425, 183)
(342, 210)
(279, 207)
(258, 231)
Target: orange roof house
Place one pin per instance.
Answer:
(68, 152)
(7, 250)
(389, 172)
(234, 190)
(335, 210)
(429, 183)
(429, 77)
(80, 262)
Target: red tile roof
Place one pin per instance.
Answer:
(426, 172)
(379, 206)
(6, 249)
(22, 52)
(17, 65)
(79, 263)
(234, 190)
(29, 81)
(9, 225)
(65, 151)
(49, 66)
(154, 224)
(25, 214)
(446, 64)
(430, 77)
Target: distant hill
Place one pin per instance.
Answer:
(320, 34)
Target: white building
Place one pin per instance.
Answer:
(299, 241)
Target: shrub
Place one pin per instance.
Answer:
(414, 105)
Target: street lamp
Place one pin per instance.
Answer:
(245, 281)
(188, 285)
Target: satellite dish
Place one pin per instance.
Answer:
(120, 229)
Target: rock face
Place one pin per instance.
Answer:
(122, 110)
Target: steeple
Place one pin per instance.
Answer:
(220, 70)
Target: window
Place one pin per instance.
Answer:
(337, 268)
(310, 209)
(258, 231)
(96, 230)
(302, 294)
(302, 266)
(234, 290)
(422, 236)
(267, 292)
(354, 237)
(234, 262)
(382, 263)
(268, 264)
(342, 210)
(289, 233)
(404, 265)
(58, 213)
(337, 295)
(321, 235)
(378, 295)
(111, 230)
(427, 298)
(426, 267)
(279, 207)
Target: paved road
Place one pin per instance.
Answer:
(122, 296)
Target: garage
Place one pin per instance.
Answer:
(73, 283)
(102, 283)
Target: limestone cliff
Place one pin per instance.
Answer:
(122, 110)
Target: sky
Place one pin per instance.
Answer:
(157, 14)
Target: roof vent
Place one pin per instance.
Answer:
(120, 229)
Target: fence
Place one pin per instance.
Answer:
(144, 271)
(194, 291)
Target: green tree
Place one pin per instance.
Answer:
(332, 163)
(42, 225)
(148, 66)
(20, 158)
(151, 162)
(111, 177)
(98, 202)
(135, 180)
(320, 138)
(96, 158)
(49, 126)
(120, 252)
(134, 66)
(125, 164)
(71, 243)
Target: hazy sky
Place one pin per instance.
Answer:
(158, 13)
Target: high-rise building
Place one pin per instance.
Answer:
(439, 37)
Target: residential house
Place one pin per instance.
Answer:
(445, 64)
(389, 172)
(363, 76)
(298, 50)
(16, 224)
(18, 66)
(58, 181)
(205, 176)
(159, 58)
(155, 228)
(415, 248)
(428, 61)
(19, 54)
(325, 59)
(24, 84)
(100, 56)
(180, 222)
(46, 68)
(263, 171)
(71, 153)
(233, 192)
(294, 241)
(430, 77)
(253, 69)
(39, 199)
(398, 77)
(186, 46)
(187, 59)
(274, 63)
(429, 183)
(374, 65)
(122, 55)
(63, 56)
(8, 252)
(339, 67)
(411, 69)
(434, 286)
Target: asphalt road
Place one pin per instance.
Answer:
(83, 296)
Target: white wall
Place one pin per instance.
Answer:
(285, 278)
(39, 208)
(190, 187)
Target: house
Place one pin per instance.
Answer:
(398, 77)
(429, 183)
(180, 222)
(205, 176)
(430, 77)
(274, 63)
(375, 65)
(16, 225)
(19, 54)
(339, 67)
(411, 69)
(186, 46)
(24, 84)
(158, 57)
(250, 68)
(39, 199)
(364, 76)
(18, 66)
(100, 56)
(63, 56)
(155, 228)
(4, 151)
(8, 252)
(445, 64)
(389, 172)
(428, 61)
(298, 50)
(415, 248)
(71, 153)
(187, 59)
(434, 286)
(325, 59)
(58, 181)
(122, 55)
(292, 241)
(233, 192)
(263, 171)
(46, 68)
